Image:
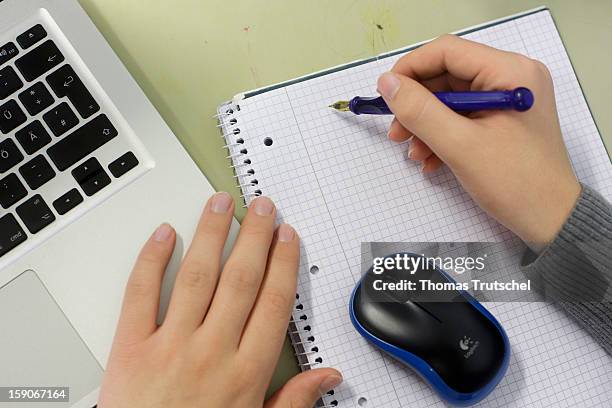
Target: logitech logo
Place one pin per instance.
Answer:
(468, 345)
(464, 343)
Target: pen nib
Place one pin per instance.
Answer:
(342, 106)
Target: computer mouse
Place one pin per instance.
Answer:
(447, 337)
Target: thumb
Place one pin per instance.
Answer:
(419, 111)
(305, 389)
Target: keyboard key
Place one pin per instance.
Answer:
(33, 137)
(35, 214)
(96, 183)
(85, 170)
(9, 82)
(11, 116)
(36, 98)
(82, 142)
(9, 155)
(37, 172)
(40, 60)
(68, 201)
(91, 176)
(123, 164)
(65, 82)
(61, 119)
(11, 190)
(11, 234)
(32, 36)
(7, 52)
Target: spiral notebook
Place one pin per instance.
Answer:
(339, 181)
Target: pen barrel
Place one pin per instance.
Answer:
(519, 99)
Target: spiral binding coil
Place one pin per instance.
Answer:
(300, 331)
(238, 152)
(306, 349)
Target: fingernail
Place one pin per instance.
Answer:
(410, 152)
(263, 206)
(162, 233)
(388, 85)
(329, 383)
(221, 203)
(286, 233)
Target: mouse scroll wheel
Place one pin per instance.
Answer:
(424, 307)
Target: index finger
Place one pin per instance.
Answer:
(141, 300)
(464, 59)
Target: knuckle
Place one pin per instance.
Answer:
(446, 38)
(196, 274)
(286, 256)
(256, 232)
(542, 69)
(241, 276)
(213, 226)
(204, 361)
(150, 258)
(414, 107)
(300, 401)
(518, 61)
(523, 60)
(139, 287)
(528, 64)
(277, 302)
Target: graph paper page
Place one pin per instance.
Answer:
(339, 181)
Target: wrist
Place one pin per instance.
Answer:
(549, 221)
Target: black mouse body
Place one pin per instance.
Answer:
(451, 341)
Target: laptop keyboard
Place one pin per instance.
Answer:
(50, 125)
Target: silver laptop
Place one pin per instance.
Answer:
(88, 170)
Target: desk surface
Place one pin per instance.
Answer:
(190, 55)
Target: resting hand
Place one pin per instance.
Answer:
(223, 332)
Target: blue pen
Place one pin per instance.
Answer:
(519, 99)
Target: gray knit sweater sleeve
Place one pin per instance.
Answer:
(575, 270)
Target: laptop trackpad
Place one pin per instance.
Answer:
(39, 347)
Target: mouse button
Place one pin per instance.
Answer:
(372, 290)
(472, 352)
(401, 324)
(385, 288)
(469, 370)
(441, 288)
